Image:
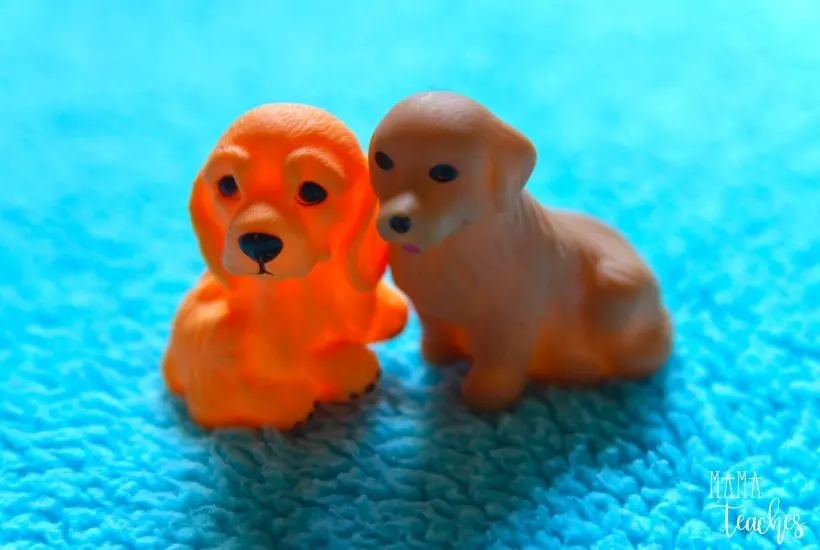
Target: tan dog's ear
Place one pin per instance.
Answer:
(366, 259)
(206, 228)
(512, 161)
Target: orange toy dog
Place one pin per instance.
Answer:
(521, 291)
(293, 292)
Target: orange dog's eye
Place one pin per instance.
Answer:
(228, 186)
(311, 193)
(383, 161)
(443, 173)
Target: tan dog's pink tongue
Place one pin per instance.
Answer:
(411, 248)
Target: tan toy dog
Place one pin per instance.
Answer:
(521, 291)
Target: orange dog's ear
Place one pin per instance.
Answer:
(512, 161)
(366, 259)
(206, 228)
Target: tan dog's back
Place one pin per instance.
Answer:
(496, 278)
(480, 268)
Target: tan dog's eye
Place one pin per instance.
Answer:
(443, 173)
(228, 187)
(383, 161)
(311, 193)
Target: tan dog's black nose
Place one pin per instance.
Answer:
(400, 224)
(260, 247)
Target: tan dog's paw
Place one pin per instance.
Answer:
(347, 372)
(645, 351)
(492, 389)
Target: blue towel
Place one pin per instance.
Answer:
(693, 127)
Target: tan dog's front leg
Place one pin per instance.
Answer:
(442, 343)
(501, 357)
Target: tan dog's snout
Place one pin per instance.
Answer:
(407, 220)
(396, 216)
(423, 220)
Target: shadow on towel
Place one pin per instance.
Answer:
(434, 475)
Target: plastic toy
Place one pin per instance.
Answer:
(293, 290)
(519, 291)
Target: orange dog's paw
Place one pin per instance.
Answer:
(391, 313)
(171, 374)
(284, 417)
(286, 405)
(347, 372)
(492, 389)
(220, 396)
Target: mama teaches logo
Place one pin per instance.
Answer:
(746, 510)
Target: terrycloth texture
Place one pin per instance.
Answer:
(692, 126)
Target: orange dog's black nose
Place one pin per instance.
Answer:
(400, 224)
(260, 247)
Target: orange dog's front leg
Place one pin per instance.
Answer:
(501, 357)
(391, 313)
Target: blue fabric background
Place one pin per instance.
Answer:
(694, 127)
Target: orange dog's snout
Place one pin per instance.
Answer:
(263, 238)
(259, 233)
(260, 247)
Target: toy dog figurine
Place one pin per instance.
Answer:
(293, 291)
(497, 279)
